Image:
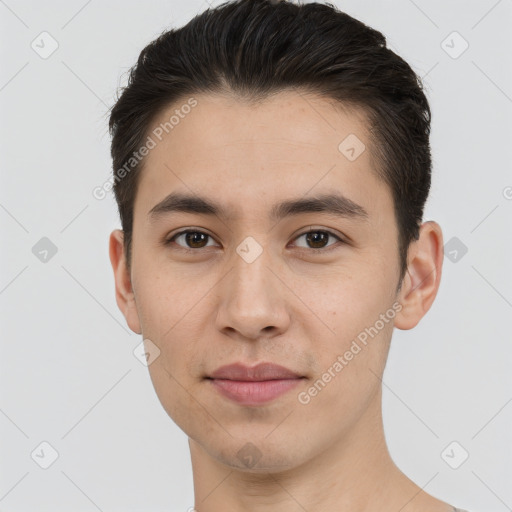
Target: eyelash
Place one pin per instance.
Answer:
(314, 250)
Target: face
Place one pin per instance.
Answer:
(301, 290)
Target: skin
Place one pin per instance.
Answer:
(211, 308)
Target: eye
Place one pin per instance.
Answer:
(193, 239)
(318, 239)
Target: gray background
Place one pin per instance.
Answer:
(68, 373)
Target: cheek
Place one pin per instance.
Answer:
(352, 306)
(175, 394)
(350, 365)
(165, 298)
(346, 302)
(165, 322)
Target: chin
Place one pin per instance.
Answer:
(259, 456)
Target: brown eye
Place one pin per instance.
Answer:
(195, 239)
(318, 239)
(192, 239)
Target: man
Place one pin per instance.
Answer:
(271, 165)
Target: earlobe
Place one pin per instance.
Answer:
(423, 276)
(125, 296)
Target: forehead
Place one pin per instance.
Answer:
(246, 155)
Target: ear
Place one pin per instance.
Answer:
(125, 296)
(423, 276)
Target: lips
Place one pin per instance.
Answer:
(253, 386)
(260, 372)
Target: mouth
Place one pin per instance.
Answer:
(254, 385)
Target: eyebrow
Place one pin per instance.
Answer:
(334, 204)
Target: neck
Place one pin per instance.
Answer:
(356, 474)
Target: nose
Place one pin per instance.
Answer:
(252, 304)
